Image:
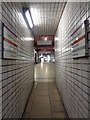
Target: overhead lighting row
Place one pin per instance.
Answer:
(28, 17)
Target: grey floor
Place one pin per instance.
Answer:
(44, 101)
(44, 72)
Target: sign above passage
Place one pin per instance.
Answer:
(43, 42)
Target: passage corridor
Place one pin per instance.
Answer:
(44, 101)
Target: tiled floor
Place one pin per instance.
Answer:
(44, 72)
(45, 101)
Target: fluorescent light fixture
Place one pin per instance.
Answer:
(56, 38)
(29, 18)
(45, 38)
(27, 39)
(35, 16)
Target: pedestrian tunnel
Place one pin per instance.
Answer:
(44, 59)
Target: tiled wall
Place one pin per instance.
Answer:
(17, 75)
(0, 68)
(72, 75)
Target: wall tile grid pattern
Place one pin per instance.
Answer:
(17, 75)
(72, 75)
(0, 68)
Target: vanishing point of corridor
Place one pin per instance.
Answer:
(44, 101)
